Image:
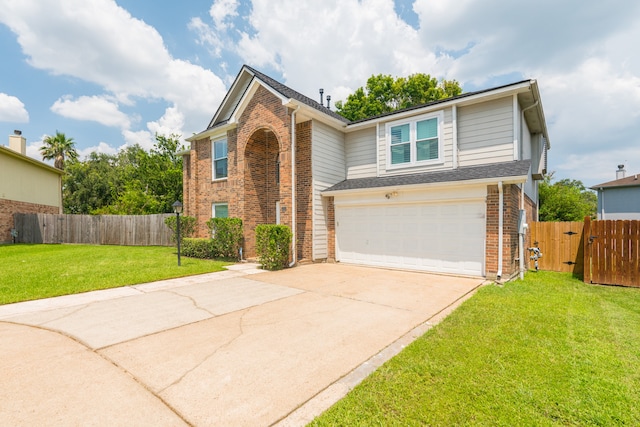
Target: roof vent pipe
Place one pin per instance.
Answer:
(321, 100)
(329, 102)
(620, 173)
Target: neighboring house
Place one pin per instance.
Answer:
(417, 189)
(619, 199)
(26, 185)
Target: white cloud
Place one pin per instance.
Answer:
(222, 12)
(94, 108)
(170, 123)
(102, 147)
(33, 150)
(100, 42)
(333, 44)
(206, 36)
(580, 52)
(144, 138)
(12, 109)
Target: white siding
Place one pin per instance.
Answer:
(485, 132)
(447, 152)
(526, 141)
(327, 168)
(360, 149)
(530, 187)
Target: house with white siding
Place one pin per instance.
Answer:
(444, 187)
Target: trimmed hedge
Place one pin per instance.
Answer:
(272, 245)
(187, 226)
(227, 236)
(197, 248)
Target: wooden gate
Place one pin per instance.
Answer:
(561, 244)
(612, 252)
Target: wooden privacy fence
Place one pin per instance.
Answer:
(123, 230)
(605, 251)
(612, 252)
(561, 244)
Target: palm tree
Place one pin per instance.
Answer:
(57, 148)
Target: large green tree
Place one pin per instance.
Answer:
(384, 94)
(58, 148)
(565, 200)
(131, 182)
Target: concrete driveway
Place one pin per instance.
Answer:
(241, 347)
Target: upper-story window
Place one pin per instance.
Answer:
(414, 141)
(220, 159)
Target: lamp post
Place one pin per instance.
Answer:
(177, 208)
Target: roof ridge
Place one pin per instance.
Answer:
(292, 93)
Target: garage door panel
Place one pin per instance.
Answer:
(445, 237)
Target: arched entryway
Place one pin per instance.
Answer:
(261, 184)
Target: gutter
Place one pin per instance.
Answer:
(517, 179)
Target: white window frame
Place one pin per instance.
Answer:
(213, 209)
(412, 122)
(214, 159)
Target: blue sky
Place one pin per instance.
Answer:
(112, 73)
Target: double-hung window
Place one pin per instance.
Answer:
(415, 141)
(220, 210)
(220, 159)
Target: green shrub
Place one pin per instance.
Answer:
(272, 245)
(187, 226)
(197, 248)
(227, 236)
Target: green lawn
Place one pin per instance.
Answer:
(549, 350)
(40, 271)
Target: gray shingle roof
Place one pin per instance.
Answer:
(494, 170)
(290, 93)
(629, 181)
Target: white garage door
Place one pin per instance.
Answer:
(438, 237)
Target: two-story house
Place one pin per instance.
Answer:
(437, 187)
(26, 185)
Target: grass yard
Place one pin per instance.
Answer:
(549, 350)
(39, 271)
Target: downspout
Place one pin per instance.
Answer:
(500, 222)
(293, 187)
(521, 233)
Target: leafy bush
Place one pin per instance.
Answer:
(197, 248)
(227, 236)
(272, 245)
(187, 226)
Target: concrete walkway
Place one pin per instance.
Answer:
(240, 347)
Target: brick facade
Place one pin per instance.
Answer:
(259, 173)
(9, 207)
(304, 191)
(511, 213)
